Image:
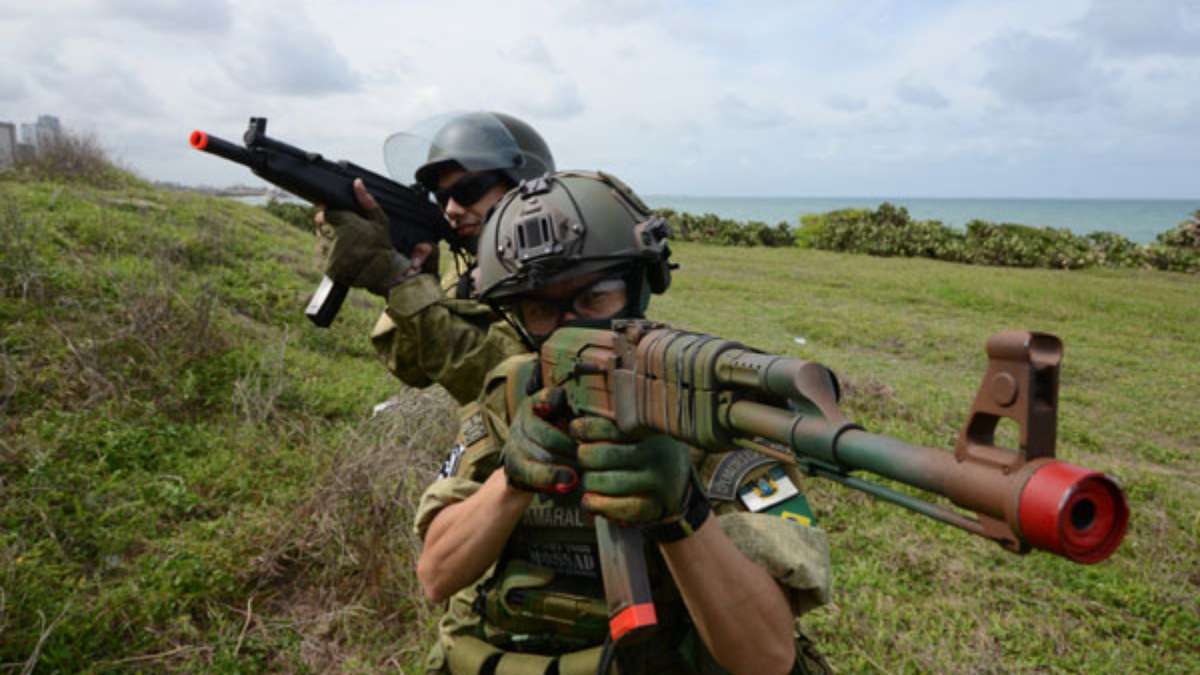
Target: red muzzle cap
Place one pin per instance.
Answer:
(1072, 511)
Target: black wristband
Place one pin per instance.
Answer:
(695, 511)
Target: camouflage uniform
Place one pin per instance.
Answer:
(427, 335)
(550, 561)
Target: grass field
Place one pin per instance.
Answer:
(908, 336)
(191, 479)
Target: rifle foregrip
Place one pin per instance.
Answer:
(626, 584)
(325, 302)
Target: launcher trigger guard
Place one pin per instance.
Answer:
(1021, 384)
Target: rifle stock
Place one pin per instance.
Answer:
(715, 394)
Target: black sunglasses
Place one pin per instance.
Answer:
(469, 189)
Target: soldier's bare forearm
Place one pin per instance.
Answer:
(739, 610)
(466, 538)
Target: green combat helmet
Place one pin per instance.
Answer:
(475, 141)
(565, 225)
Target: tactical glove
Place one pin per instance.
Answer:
(362, 255)
(539, 457)
(633, 482)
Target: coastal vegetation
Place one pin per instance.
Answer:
(192, 477)
(709, 228)
(299, 216)
(890, 231)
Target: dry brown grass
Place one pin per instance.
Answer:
(77, 158)
(343, 565)
(256, 393)
(21, 275)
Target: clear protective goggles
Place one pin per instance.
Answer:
(602, 299)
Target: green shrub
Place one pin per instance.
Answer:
(1113, 250)
(75, 158)
(834, 231)
(710, 228)
(296, 215)
(1012, 245)
(887, 231)
(1184, 235)
(1173, 258)
(891, 231)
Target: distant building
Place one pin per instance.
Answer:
(48, 131)
(33, 139)
(8, 145)
(26, 153)
(29, 135)
(50, 122)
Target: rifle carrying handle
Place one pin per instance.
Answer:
(325, 302)
(626, 585)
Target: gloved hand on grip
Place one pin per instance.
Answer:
(361, 254)
(632, 482)
(538, 456)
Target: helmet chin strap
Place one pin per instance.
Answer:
(531, 343)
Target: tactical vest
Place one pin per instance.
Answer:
(542, 609)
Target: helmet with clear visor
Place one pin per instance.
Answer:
(472, 141)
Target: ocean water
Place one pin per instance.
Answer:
(1138, 219)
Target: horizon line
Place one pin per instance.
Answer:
(650, 195)
(896, 197)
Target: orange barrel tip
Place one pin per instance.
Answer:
(198, 139)
(1074, 512)
(632, 618)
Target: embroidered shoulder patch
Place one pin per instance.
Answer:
(795, 509)
(771, 489)
(473, 429)
(775, 494)
(723, 485)
(450, 466)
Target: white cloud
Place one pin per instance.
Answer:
(286, 53)
(175, 16)
(529, 50)
(877, 97)
(740, 114)
(1144, 28)
(918, 93)
(846, 103)
(114, 89)
(610, 12)
(559, 101)
(1039, 70)
(12, 86)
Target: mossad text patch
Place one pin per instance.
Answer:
(574, 559)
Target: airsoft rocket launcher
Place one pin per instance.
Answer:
(716, 394)
(412, 217)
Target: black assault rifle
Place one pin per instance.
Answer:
(412, 217)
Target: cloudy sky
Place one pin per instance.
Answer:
(1074, 98)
